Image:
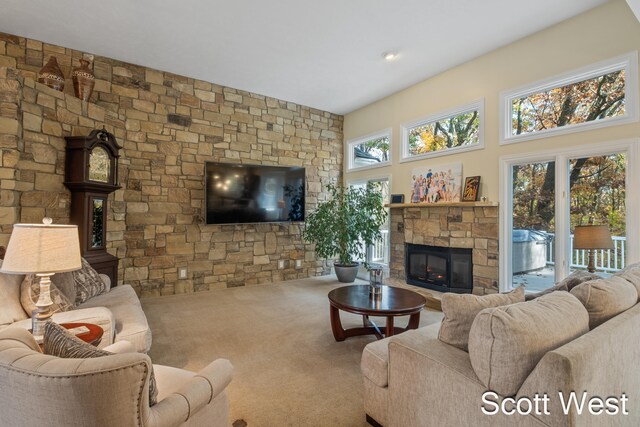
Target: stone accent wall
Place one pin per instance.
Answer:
(169, 125)
(456, 227)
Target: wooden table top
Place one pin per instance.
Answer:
(92, 337)
(393, 301)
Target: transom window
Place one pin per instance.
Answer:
(456, 130)
(600, 95)
(370, 151)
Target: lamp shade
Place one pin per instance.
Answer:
(592, 237)
(42, 248)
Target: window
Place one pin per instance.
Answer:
(600, 95)
(379, 252)
(370, 151)
(460, 129)
(545, 196)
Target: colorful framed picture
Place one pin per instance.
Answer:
(436, 184)
(471, 187)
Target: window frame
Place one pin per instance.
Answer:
(405, 128)
(627, 62)
(362, 139)
(631, 147)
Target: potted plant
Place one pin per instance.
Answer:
(345, 225)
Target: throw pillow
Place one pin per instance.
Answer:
(506, 343)
(12, 310)
(59, 342)
(30, 291)
(566, 284)
(88, 283)
(461, 309)
(631, 274)
(605, 298)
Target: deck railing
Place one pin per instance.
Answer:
(608, 260)
(380, 249)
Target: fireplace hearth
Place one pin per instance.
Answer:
(439, 268)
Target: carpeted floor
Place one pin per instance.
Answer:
(289, 370)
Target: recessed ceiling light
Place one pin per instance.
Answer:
(390, 56)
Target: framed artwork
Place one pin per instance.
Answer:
(436, 184)
(397, 198)
(471, 186)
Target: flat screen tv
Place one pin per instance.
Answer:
(236, 194)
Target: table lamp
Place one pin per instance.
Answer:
(42, 249)
(592, 237)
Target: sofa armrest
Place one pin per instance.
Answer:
(107, 281)
(430, 380)
(100, 316)
(197, 393)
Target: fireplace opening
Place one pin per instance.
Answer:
(438, 268)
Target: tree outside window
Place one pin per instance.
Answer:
(589, 100)
(455, 131)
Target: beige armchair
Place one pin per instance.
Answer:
(37, 389)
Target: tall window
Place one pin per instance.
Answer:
(379, 252)
(370, 151)
(545, 196)
(600, 95)
(452, 131)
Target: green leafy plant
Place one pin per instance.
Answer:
(347, 223)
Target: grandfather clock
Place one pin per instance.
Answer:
(91, 173)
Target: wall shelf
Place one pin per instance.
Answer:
(443, 205)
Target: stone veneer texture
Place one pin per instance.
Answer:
(457, 227)
(169, 125)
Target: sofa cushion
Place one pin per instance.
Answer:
(375, 357)
(461, 309)
(11, 310)
(506, 343)
(131, 322)
(30, 291)
(59, 342)
(375, 362)
(631, 274)
(605, 298)
(566, 284)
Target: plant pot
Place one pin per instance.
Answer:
(346, 273)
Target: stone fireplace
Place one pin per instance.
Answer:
(470, 226)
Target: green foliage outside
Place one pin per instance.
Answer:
(593, 99)
(378, 148)
(456, 131)
(340, 225)
(596, 188)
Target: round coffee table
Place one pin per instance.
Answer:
(393, 302)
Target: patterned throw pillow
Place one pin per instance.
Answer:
(88, 283)
(59, 342)
(30, 291)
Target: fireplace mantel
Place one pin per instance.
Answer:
(443, 205)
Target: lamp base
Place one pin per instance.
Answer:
(43, 313)
(591, 268)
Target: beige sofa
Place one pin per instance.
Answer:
(414, 379)
(37, 389)
(117, 311)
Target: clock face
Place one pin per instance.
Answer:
(99, 165)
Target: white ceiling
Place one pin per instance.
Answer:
(326, 54)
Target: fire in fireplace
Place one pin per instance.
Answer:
(438, 268)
